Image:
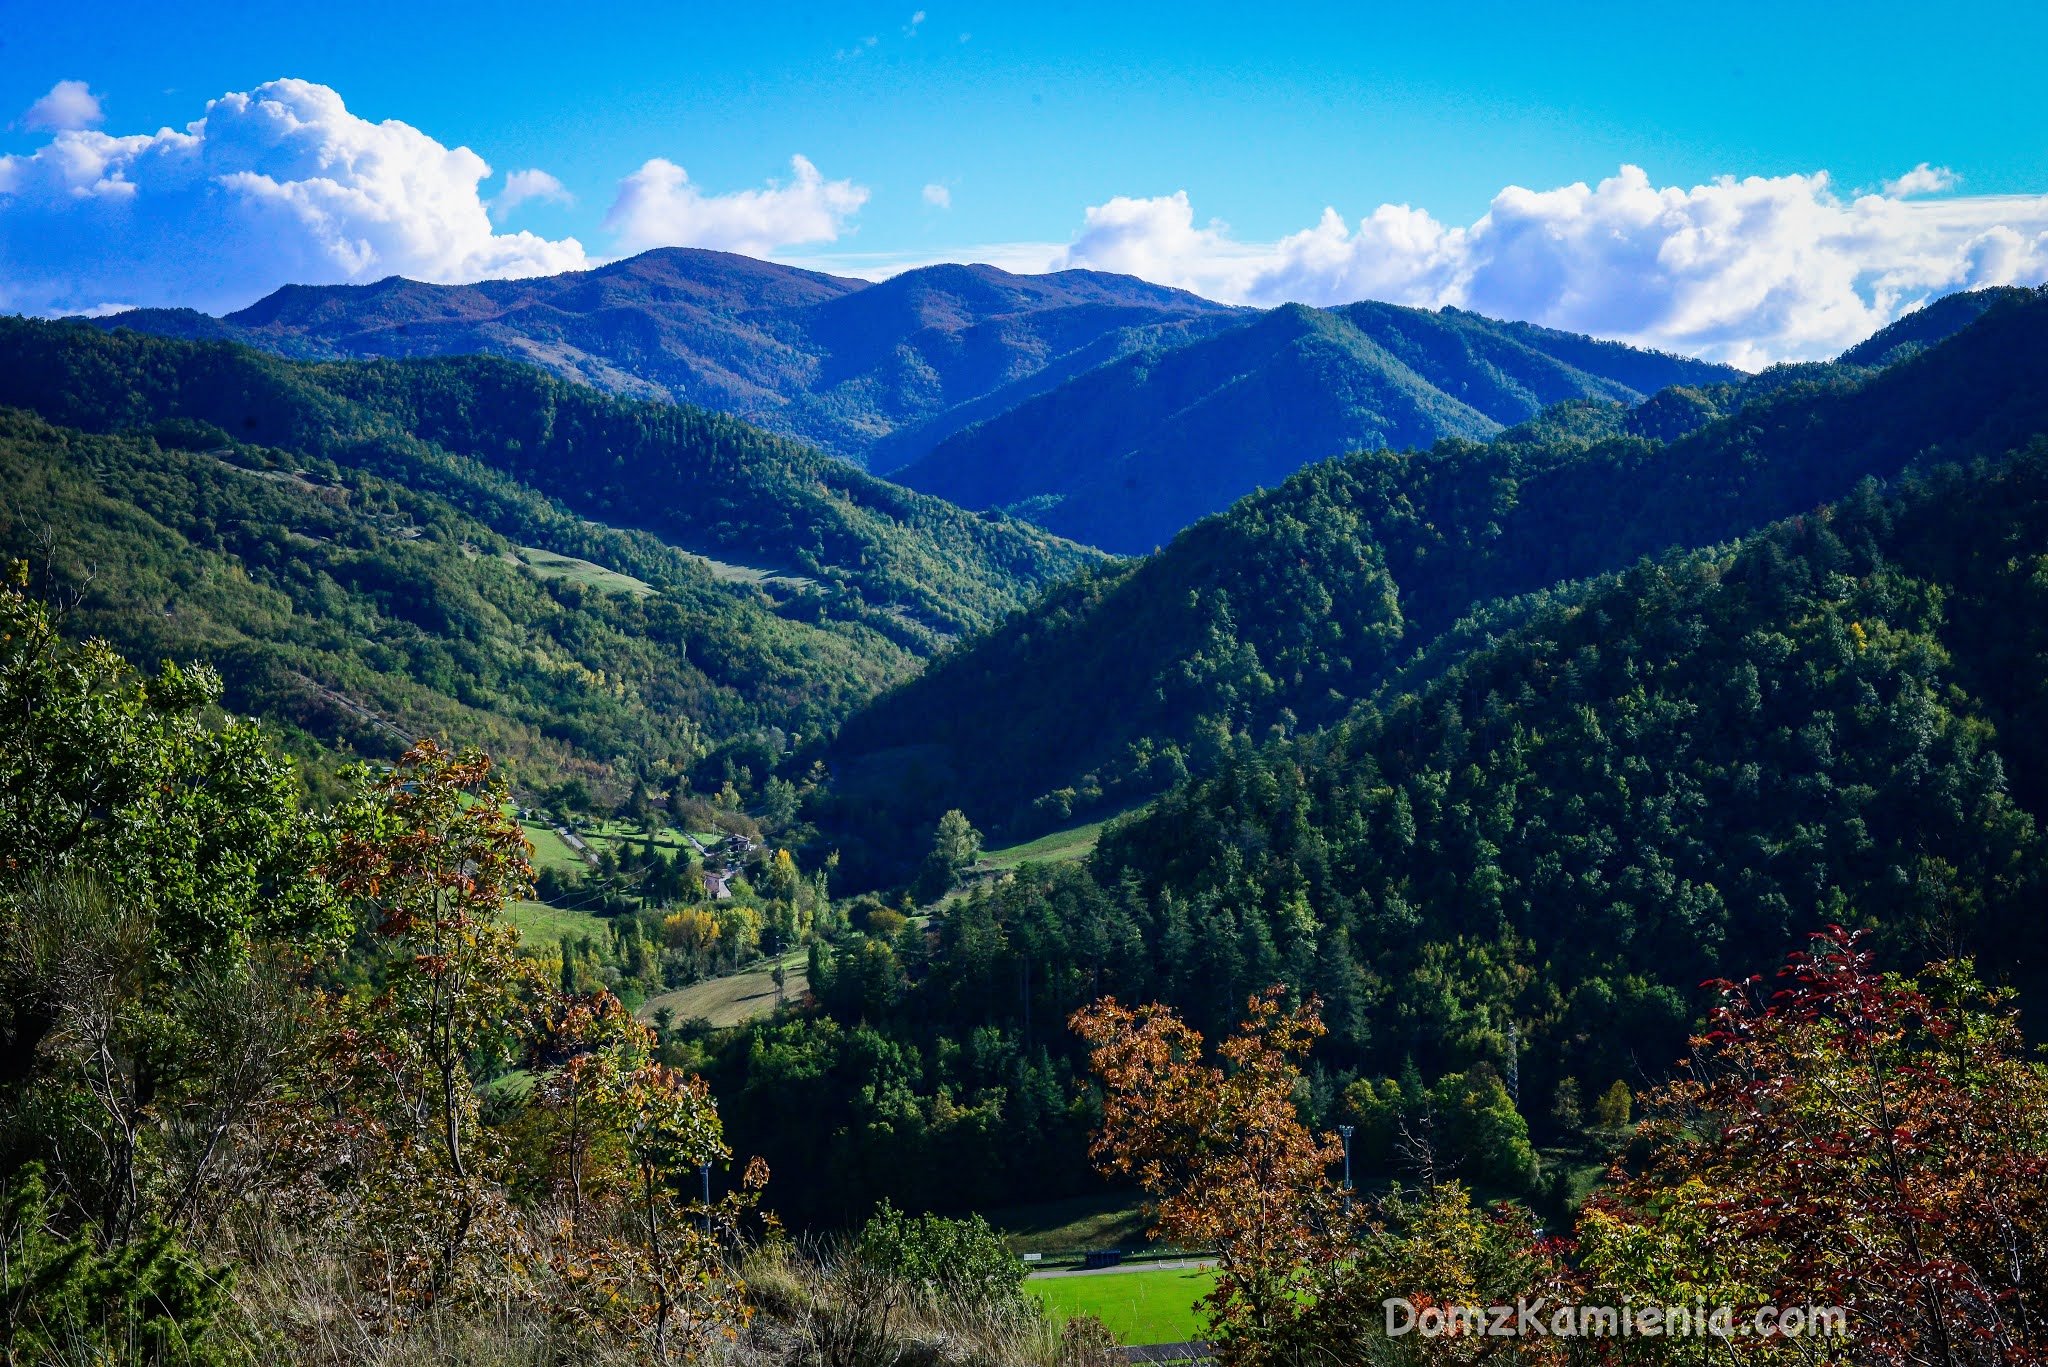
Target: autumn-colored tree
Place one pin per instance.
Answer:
(657, 1268)
(1428, 1248)
(1304, 1268)
(580, 1104)
(1222, 1149)
(1855, 1139)
(428, 857)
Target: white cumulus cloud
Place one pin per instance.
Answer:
(70, 104)
(657, 206)
(938, 196)
(1748, 271)
(279, 185)
(527, 187)
(1922, 180)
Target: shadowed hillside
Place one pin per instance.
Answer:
(1125, 456)
(1284, 611)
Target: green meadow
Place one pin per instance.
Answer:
(1139, 1306)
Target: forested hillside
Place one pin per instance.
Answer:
(358, 613)
(873, 373)
(478, 431)
(1289, 608)
(1506, 883)
(1127, 455)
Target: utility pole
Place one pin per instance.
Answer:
(1514, 1062)
(1345, 1130)
(705, 1169)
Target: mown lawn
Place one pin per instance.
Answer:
(1138, 1307)
(734, 999)
(550, 851)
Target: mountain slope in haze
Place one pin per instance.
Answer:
(1286, 610)
(1128, 454)
(478, 431)
(854, 368)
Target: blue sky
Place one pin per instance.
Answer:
(1026, 117)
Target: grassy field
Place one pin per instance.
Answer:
(550, 851)
(732, 572)
(1059, 847)
(1144, 1306)
(549, 565)
(539, 924)
(1111, 1219)
(733, 1000)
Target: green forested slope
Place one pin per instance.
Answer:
(356, 612)
(1668, 775)
(477, 429)
(1125, 456)
(1508, 881)
(1296, 603)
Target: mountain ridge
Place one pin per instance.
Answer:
(1126, 455)
(1288, 609)
(840, 363)
(482, 428)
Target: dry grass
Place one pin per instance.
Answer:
(850, 1315)
(812, 1308)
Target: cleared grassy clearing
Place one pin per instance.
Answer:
(1144, 1306)
(613, 839)
(1059, 847)
(540, 925)
(550, 851)
(1110, 1219)
(549, 565)
(732, 572)
(733, 1000)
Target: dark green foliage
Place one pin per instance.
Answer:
(1924, 327)
(1285, 611)
(1667, 776)
(857, 369)
(963, 1260)
(147, 1303)
(1125, 456)
(193, 824)
(1508, 875)
(902, 1094)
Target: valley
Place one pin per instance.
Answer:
(1494, 735)
(976, 686)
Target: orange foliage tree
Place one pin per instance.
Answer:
(1303, 1270)
(1220, 1145)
